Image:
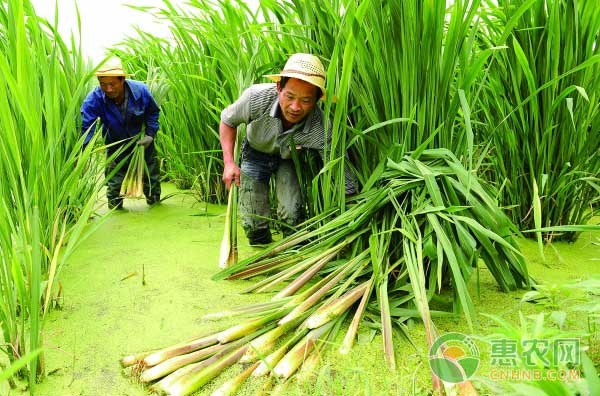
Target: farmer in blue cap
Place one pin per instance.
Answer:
(276, 115)
(123, 107)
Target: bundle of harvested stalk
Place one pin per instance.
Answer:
(420, 225)
(229, 251)
(133, 182)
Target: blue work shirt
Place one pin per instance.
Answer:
(141, 110)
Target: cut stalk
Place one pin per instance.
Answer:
(262, 345)
(386, 326)
(243, 329)
(229, 251)
(266, 266)
(267, 364)
(336, 307)
(249, 309)
(294, 358)
(168, 381)
(314, 294)
(317, 262)
(230, 387)
(174, 363)
(135, 358)
(194, 380)
(309, 366)
(132, 186)
(291, 264)
(160, 356)
(353, 329)
(308, 274)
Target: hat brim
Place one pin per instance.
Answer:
(277, 78)
(113, 74)
(112, 71)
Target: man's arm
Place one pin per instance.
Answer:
(231, 172)
(89, 115)
(233, 115)
(152, 114)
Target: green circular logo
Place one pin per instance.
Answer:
(454, 357)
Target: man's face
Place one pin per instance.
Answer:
(296, 99)
(112, 86)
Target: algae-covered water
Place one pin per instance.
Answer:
(142, 281)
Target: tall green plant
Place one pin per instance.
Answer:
(396, 68)
(49, 186)
(392, 98)
(541, 112)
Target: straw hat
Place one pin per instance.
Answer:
(112, 68)
(305, 67)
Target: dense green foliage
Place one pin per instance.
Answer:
(539, 109)
(511, 89)
(404, 73)
(48, 188)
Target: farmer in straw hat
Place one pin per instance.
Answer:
(275, 114)
(123, 107)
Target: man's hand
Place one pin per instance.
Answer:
(146, 141)
(231, 173)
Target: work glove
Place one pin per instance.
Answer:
(146, 141)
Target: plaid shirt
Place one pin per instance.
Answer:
(258, 108)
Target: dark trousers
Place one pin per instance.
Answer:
(151, 182)
(255, 209)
